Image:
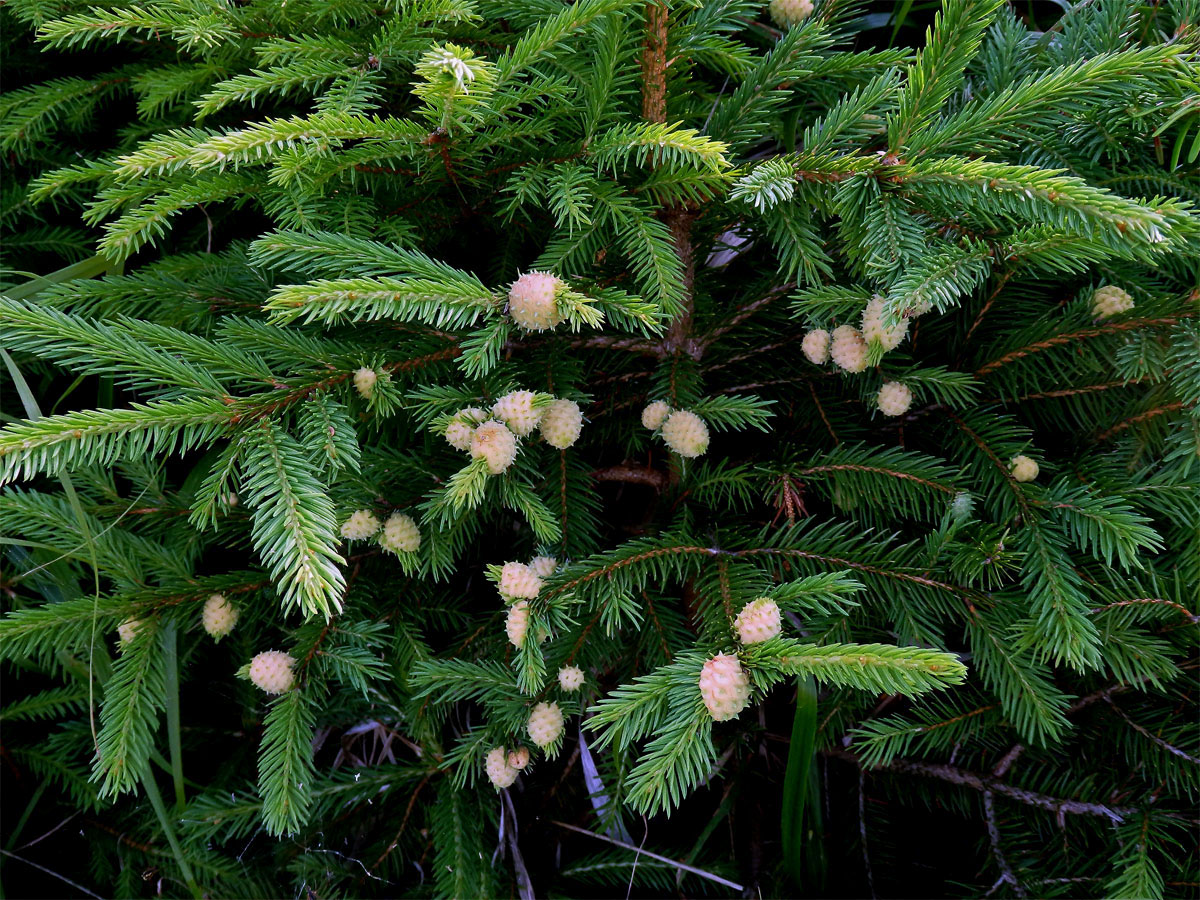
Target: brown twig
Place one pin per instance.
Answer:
(1140, 417)
(633, 475)
(983, 783)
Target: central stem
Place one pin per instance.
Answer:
(677, 218)
(654, 63)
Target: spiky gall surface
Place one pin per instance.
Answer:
(499, 772)
(786, 13)
(545, 725)
(516, 625)
(519, 580)
(815, 346)
(1110, 300)
(876, 331)
(461, 428)
(364, 382)
(848, 349)
(532, 303)
(894, 399)
(655, 414)
(562, 423)
(361, 525)
(570, 678)
(400, 534)
(272, 672)
(758, 621)
(543, 566)
(219, 616)
(1023, 468)
(494, 443)
(725, 687)
(685, 433)
(517, 411)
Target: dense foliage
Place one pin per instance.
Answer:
(870, 568)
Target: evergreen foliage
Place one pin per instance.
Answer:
(306, 219)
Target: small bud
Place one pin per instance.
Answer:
(128, 630)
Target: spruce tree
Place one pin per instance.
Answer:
(474, 447)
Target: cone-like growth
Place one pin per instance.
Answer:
(545, 725)
(725, 687)
(273, 671)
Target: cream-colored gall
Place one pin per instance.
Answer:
(219, 616)
(543, 566)
(272, 671)
(1023, 468)
(725, 687)
(894, 398)
(128, 630)
(685, 433)
(533, 303)
(562, 423)
(499, 772)
(517, 411)
(758, 621)
(518, 758)
(400, 534)
(1110, 300)
(655, 414)
(495, 444)
(570, 678)
(519, 580)
(364, 382)
(786, 13)
(815, 346)
(848, 349)
(516, 624)
(545, 725)
(874, 329)
(361, 525)
(461, 428)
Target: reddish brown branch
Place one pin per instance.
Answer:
(1060, 339)
(1141, 417)
(633, 475)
